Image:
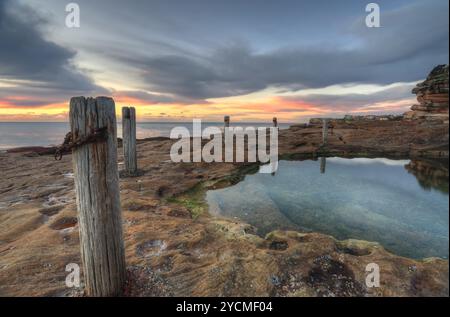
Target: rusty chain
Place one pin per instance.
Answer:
(70, 143)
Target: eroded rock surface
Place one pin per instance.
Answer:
(175, 248)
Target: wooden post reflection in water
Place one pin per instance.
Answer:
(323, 163)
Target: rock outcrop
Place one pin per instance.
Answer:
(432, 95)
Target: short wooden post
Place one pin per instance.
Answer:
(129, 139)
(98, 196)
(275, 122)
(324, 131)
(226, 121)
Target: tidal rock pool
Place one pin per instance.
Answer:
(401, 204)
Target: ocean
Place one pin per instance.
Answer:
(18, 134)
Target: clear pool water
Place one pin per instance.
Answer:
(401, 204)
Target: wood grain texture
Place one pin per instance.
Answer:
(98, 197)
(129, 139)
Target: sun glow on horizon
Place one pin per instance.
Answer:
(286, 110)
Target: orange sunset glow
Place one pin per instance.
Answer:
(247, 110)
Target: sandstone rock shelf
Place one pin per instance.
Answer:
(171, 252)
(432, 95)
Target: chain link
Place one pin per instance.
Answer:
(99, 135)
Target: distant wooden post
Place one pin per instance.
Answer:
(275, 122)
(129, 139)
(98, 196)
(324, 131)
(226, 121)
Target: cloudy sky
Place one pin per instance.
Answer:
(251, 59)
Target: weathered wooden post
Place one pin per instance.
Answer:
(324, 131)
(93, 127)
(129, 139)
(275, 122)
(226, 121)
(229, 139)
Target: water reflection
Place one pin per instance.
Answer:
(323, 163)
(400, 203)
(431, 174)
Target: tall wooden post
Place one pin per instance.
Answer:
(129, 139)
(98, 196)
(324, 131)
(226, 121)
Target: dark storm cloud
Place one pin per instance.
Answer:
(411, 41)
(25, 55)
(216, 76)
(188, 51)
